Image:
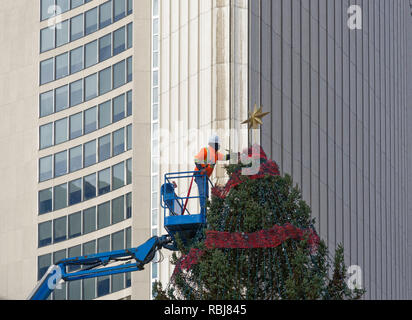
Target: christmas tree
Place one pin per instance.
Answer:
(259, 243)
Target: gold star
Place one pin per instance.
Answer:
(255, 118)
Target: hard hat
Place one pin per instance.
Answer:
(214, 139)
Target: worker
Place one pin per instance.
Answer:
(205, 162)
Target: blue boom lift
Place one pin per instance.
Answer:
(134, 259)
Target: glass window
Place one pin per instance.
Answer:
(155, 78)
(60, 196)
(44, 262)
(104, 148)
(90, 87)
(72, 253)
(119, 41)
(62, 65)
(128, 205)
(91, 21)
(105, 81)
(89, 187)
(156, 26)
(75, 192)
(119, 9)
(76, 93)
(129, 7)
(63, 5)
(46, 135)
(46, 103)
(90, 120)
(75, 158)
(117, 282)
(129, 69)
(89, 289)
(104, 181)
(118, 108)
(59, 229)
(46, 71)
(45, 168)
(62, 33)
(105, 14)
(59, 294)
(76, 27)
(129, 171)
(76, 60)
(129, 237)
(46, 39)
(89, 220)
(89, 153)
(75, 225)
(129, 35)
(74, 290)
(60, 164)
(129, 137)
(62, 98)
(155, 95)
(118, 142)
(105, 114)
(89, 248)
(45, 234)
(117, 210)
(45, 201)
(103, 215)
(118, 176)
(155, 7)
(76, 3)
(76, 125)
(90, 54)
(155, 112)
(129, 103)
(103, 244)
(47, 9)
(60, 131)
(105, 47)
(59, 255)
(119, 74)
(103, 286)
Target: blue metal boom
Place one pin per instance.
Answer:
(95, 265)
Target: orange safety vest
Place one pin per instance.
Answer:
(207, 158)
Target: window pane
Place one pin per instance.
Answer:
(89, 248)
(63, 5)
(60, 131)
(59, 294)
(117, 282)
(129, 137)
(105, 114)
(129, 237)
(104, 148)
(45, 201)
(89, 153)
(60, 196)
(43, 263)
(104, 181)
(118, 142)
(45, 234)
(62, 65)
(62, 33)
(119, 41)
(103, 286)
(105, 81)
(75, 225)
(129, 7)
(129, 69)
(105, 47)
(129, 35)
(90, 89)
(155, 59)
(47, 9)
(89, 289)
(89, 220)
(90, 187)
(75, 158)
(156, 26)
(129, 171)
(60, 164)
(75, 192)
(46, 135)
(46, 71)
(76, 60)
(103, 244)
(72, 253)
(103, 215)
(62, 98)
(91, 53)
(118, 176)
(59, 230)
(105, 14)
(46, 103)
(76, 27)
(117, 210)
(74, 290)
(155, 7)
(47, 39)
(118, 108)
(129, 103)
(76, 3)
(45, 168)
(76, 93)
(119, 9)
(76, 125)
(90, 120)
(128, 206)
(119, 74)
(91, 21)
